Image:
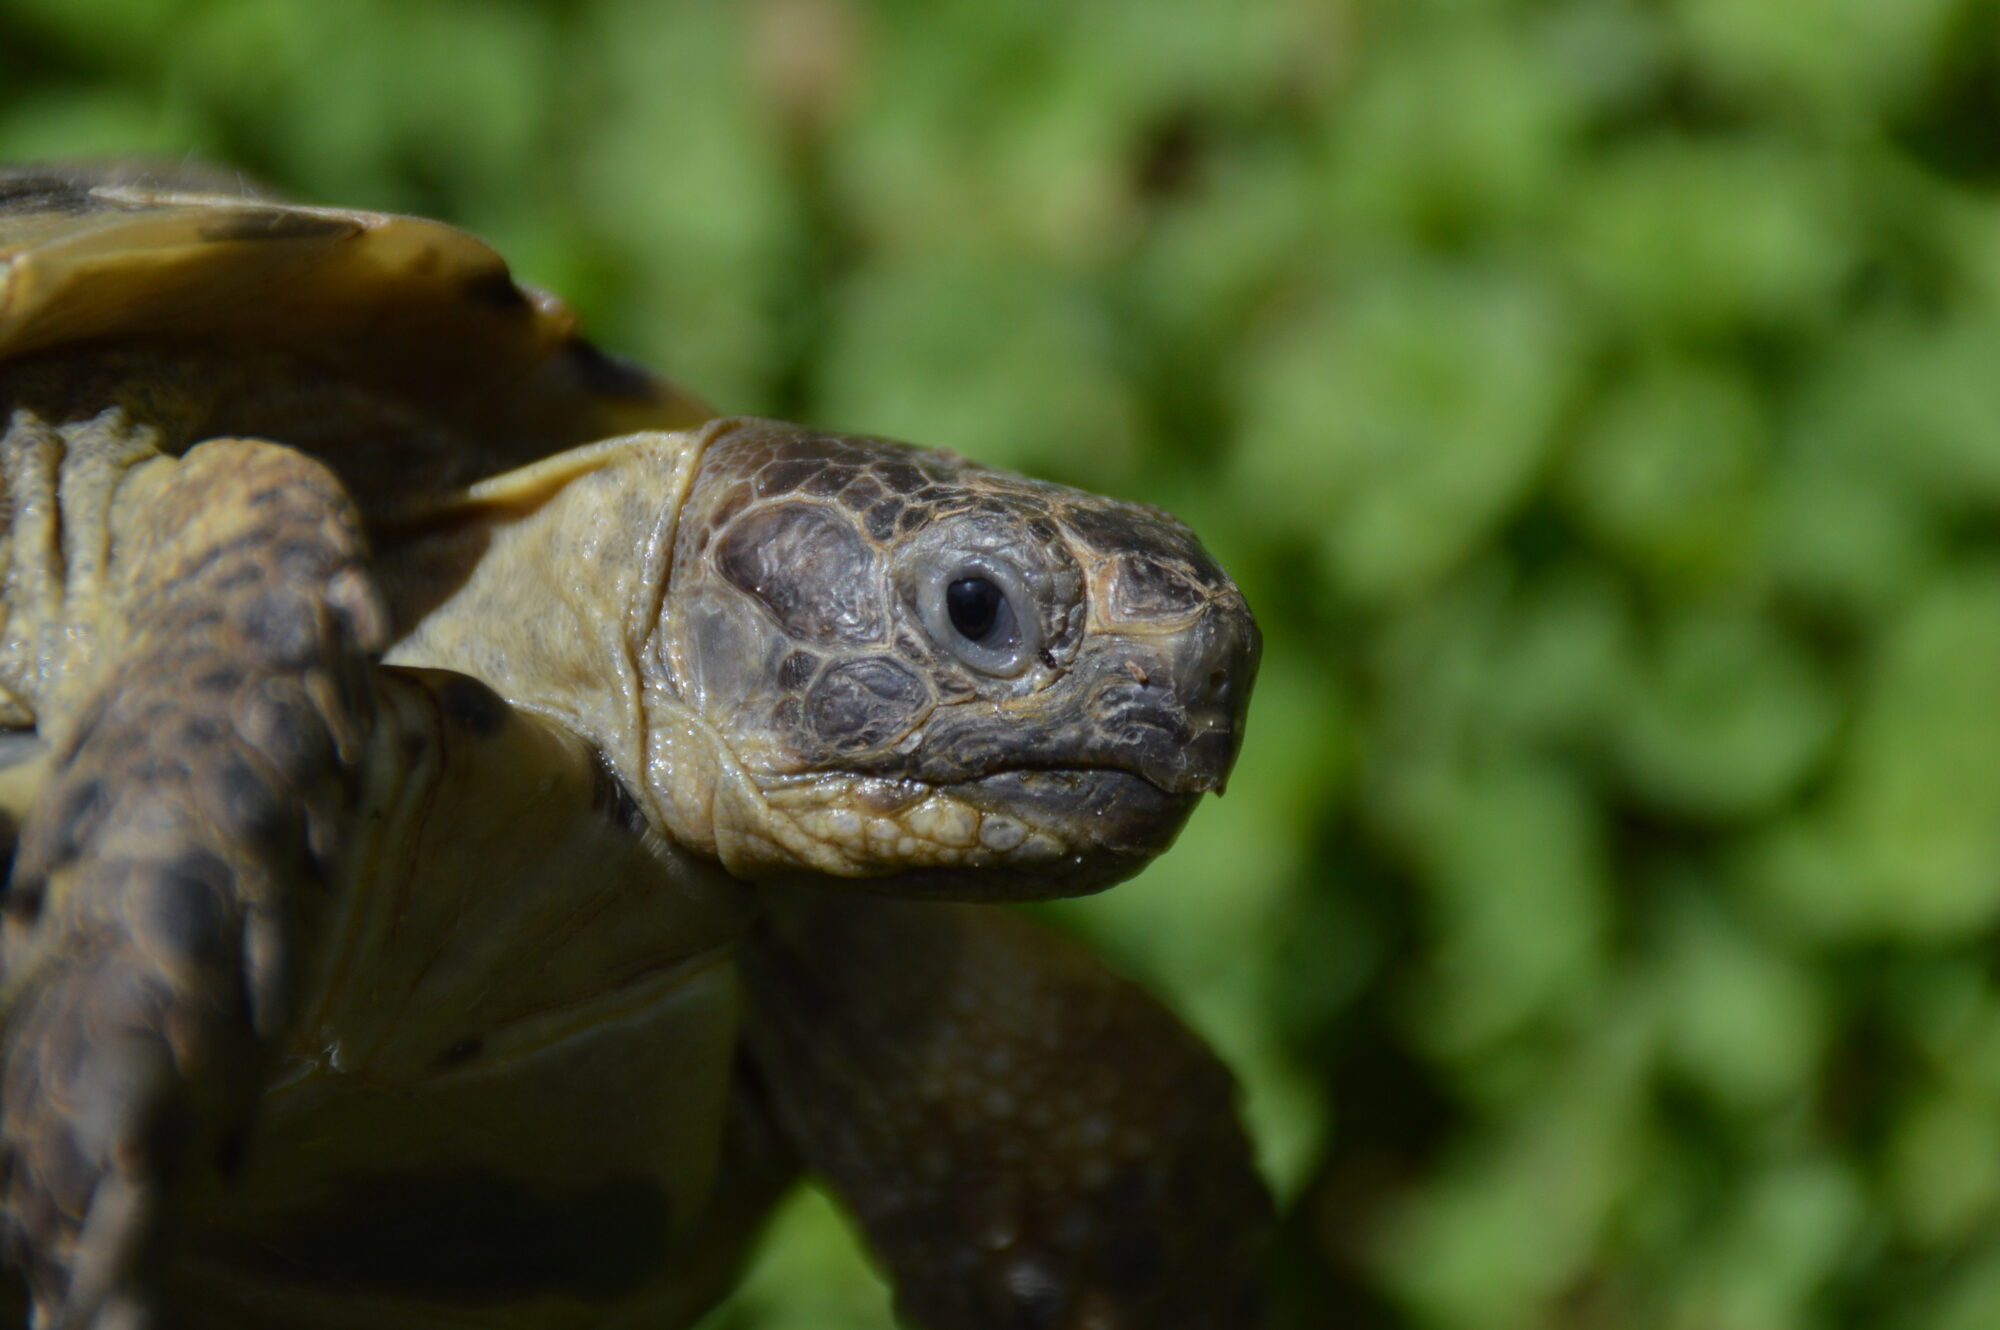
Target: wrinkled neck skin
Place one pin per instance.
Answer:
(552, 581)
(555, 578)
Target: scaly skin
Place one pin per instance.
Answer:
(1023, 1137)
(1107, 1199)
(872, 741)
(394, 825)
(192, 823)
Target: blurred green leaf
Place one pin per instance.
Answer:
(1701, 237)
(1670, 472)
(1402, 419)
(1841, 58)
(1459, 127)
(1728, 716)
(1744, 1019)
(1919, 789)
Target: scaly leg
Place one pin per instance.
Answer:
(170, 870)
(1026, 1139)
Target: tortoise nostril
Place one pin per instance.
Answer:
(1217, 677)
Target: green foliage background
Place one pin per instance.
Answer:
(1600, 402)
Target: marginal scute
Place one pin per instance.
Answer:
(404, 306)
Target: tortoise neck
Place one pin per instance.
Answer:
(544, 583)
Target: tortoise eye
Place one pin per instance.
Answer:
(981, 611)
(975, 606)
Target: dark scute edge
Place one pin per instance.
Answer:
(273, 224)
(494, 289)
(46, 193)
(611, 376)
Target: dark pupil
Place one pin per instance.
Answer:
(974, 604)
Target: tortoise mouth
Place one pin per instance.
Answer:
(1048, 833)
(1112, 807)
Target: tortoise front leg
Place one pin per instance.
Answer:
(170, 868)
(1027, 1140)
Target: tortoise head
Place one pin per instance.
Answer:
(883, 660)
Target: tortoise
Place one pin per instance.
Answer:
(481, 824)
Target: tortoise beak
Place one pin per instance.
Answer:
(1171, 708)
